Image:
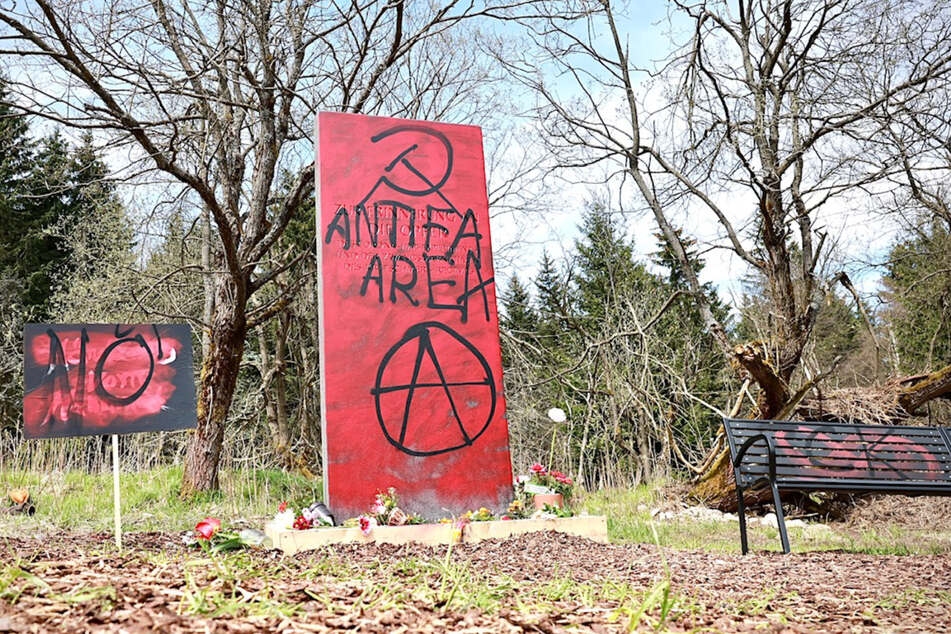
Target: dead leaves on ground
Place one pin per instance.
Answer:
(538, 583)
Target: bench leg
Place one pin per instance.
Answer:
(741, 511)
(780, 520)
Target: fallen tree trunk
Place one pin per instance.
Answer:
(918, 390)
(892, 403)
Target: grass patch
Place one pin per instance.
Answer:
(914, 596)
(630, 520)
(448, 584)
(103, 595)
(14, 581)
(215, 586)
(75, 500)
(79, 501)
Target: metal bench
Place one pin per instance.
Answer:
(817, 456)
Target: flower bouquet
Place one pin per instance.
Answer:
(549, 487)
(313, 516)
(209, 536)
(384, 511)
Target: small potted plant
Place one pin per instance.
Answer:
(548, 487)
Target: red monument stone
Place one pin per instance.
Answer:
(411, 366)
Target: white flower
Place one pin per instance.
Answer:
(284, 520)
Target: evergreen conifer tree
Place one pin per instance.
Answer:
(16, 165)
(45, 187)
(554, 301)
(519, 318)
(607, 271)
(918, 283)
(519, 314)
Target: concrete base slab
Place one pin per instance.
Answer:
(593, 527)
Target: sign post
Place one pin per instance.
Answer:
(107, 379)
(117, 505)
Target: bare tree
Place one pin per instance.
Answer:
(219, 96)
(765, 113)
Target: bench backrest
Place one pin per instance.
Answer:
(817, 455)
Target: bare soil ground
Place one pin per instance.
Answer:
(80, 583)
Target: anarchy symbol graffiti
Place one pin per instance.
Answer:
(449, 400)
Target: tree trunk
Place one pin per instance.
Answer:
(219, 374)
(716, 487)
(915, 391)
(207, 280)
(271, 371)
(753, 359)
(644, 451)
(308, 351)
(280, 385)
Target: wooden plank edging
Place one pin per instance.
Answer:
(594, 527)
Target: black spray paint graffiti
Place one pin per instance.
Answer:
(396, 427)
(58, 373)
(362, 225)
(86, 379)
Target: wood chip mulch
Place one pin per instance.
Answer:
(80, 583)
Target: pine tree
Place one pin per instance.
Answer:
(41, 255)
(688, 346)
(918, 284)
(519, 314)
(519, 320)
(47, 186)
(551, 290)
(554, 301)
(607, 271)
(677, 281)
(16, 165)
(103, 275)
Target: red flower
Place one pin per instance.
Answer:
(282, 507)
(505, 517)
(207, 527)
(302, 523)
(367, 524)
(537, 469)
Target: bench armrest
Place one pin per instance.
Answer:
(770, 448)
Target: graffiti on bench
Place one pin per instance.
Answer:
(857, 454)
